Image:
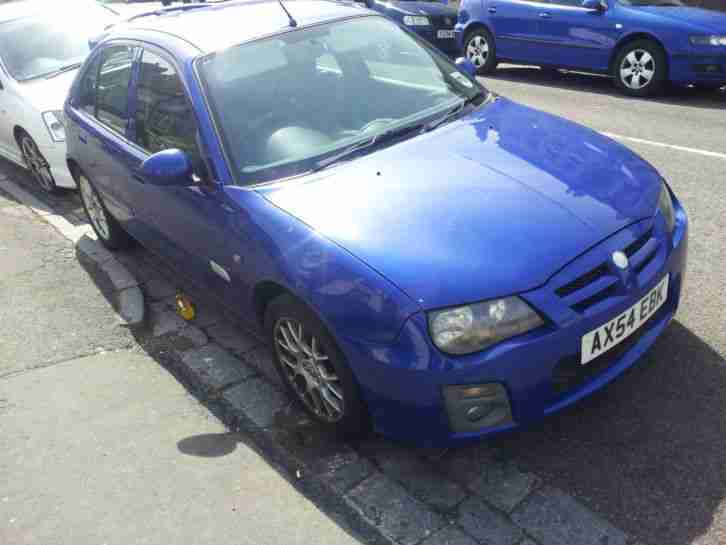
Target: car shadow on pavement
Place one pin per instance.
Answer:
(599, 84)
(646, 452)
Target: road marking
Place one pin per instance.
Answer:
(668, 146)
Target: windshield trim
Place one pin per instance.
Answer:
(211, 114)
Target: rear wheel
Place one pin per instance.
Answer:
(313, 368)
(640, 68)
(107, 229)
(36, 163)
(480, 49)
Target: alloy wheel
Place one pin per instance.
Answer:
(477, 50)
(36, 163)
(308, 369)
(637, 69)
(94, 207)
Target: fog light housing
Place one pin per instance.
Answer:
(474, 407)
(707, 68)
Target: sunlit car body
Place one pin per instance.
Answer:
(41, 46)
(642, 43)
(424, 255)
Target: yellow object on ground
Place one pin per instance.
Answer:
(185, 307)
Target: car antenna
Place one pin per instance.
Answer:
(293, 22)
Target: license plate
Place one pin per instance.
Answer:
(607, 336)
(444, 34)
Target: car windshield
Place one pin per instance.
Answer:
(41, 45)
(654, 3)
(289, 103)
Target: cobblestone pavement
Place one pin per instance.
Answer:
(383, 491)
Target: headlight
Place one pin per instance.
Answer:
(54, 122)
(415, 20)
(665, 205)
(708, 40)
(472, 328)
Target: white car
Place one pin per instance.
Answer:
(42, 45)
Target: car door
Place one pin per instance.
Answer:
(576, 36)
(190, 225)
(516, 28)
(8, 105)
(102, 101)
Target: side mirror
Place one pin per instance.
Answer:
(170, 167)
(598, 5)
(465, 65)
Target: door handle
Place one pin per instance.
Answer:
(492, 9)
(545, 15)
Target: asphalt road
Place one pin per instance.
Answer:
(648, 452)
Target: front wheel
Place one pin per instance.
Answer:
(36, 163)
(313, 368)
(640, 69)
(480, 49)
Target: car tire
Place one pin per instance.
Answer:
(36, 163)
(313, 368)
(107, 229)
(640, 68)
(480, 49)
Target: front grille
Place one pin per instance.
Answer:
(442, 21)
(600, 283)
(570, 375)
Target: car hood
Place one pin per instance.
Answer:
(422, 8)
(48, 94)
(709, 21)
(489, 205)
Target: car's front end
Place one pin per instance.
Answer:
(418, 392)
(701, 61)
(431, 20)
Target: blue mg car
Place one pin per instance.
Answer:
(425, 257)
(642, 44)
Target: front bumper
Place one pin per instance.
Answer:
(404, 383)
(55, 154)
(446, 45)
(699, 68)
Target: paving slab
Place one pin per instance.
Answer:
(487, 525)
(111, 449)
(257, 400)
(212, 368)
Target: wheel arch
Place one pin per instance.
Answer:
(263, 294)
(477, 25)
(634, 37)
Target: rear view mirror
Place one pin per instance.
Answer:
(171, 167)
(465, 65)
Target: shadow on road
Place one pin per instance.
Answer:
(577, 81)
(647, 452)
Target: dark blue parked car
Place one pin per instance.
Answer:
(642, 43)
(424, 256)
(430, 19)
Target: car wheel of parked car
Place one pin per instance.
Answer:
(313, 368)
(108, 230)
(479, 48)
(640, 68)
(36, 163)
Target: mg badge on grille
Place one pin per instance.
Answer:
(620, 260)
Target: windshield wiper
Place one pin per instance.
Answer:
(363, 144)
(65, 68)
(451, 114)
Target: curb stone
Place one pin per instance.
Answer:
(128, 296)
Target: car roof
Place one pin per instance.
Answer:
(215, 26)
